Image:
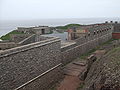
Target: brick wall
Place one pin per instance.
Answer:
(116, 35)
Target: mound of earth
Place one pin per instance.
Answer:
(104, 73)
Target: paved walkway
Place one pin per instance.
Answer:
(72, 72)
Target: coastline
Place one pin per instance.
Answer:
(7, 26)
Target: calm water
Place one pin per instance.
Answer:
(7, 26)
(62, 36)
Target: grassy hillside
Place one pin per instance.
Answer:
(7, 36)
(104, 73)
(67, 26)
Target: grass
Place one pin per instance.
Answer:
(81, 86)
(93, 50)
(67, 26)
(7, 36)
(87, 54)
(108, 42)
(53, 88)
(114, 50)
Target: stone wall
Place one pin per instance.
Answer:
(85, 44)
(28, 40)
(8, 45)
(116, 27)
(18, 37)
(22, 64)
(41, 38)
(35, 30)
(38, 65)
(44, 81)
(116, 35)
(68, 46)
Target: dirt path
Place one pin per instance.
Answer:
(72, 72)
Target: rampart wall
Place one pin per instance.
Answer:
(28, 40)
(7, 45)
(68, 46)
(37, 65)
(41, 38)
(18, 37)
(22, 64)
(85, 44)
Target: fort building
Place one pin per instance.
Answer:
(116, 32)
(80, 31)
(37, 63)
(35, 30)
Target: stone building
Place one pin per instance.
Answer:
(77, 32)
(37, 64)
(35, 30)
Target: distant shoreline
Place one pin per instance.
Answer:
(9, 25)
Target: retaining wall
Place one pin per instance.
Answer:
(18, 37)
(28, 40)
(85, 44)
(68, 46)
(8, 45)
(22, 64)
(38, 65)
(43, 81)
(33, 38)
(41, 38)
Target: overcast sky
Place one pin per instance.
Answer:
(44, 9)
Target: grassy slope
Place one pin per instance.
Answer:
(107, 68)
(7, 36)
(84, 56)
(67, 26)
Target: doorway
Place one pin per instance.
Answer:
(43, 31)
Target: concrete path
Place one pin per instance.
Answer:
(72, 72)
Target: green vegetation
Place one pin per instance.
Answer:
(93, 50)
(50, 32)
(53, 88)
(117, 49)
(7, 36)
(81, 86)
(108, 42)
(87, 54)
(67, 26)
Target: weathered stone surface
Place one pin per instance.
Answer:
(45, 81)
(104, 74)
(18, 37)
(19, 65)
(91, 59)
(85, 46)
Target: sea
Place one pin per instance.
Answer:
(9, 25)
